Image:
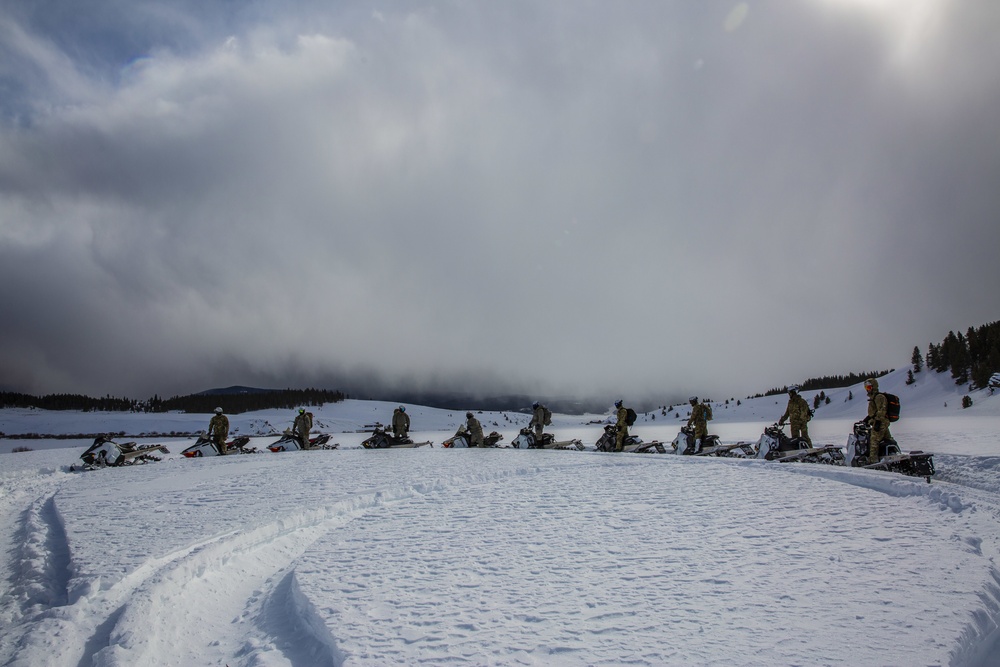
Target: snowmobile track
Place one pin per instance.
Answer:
(81, 623)
(981, 637)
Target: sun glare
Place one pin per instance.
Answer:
(909, 24)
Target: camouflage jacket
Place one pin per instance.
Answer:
(219, 426)
(400, 420)
(475, 429)
(622, 416)
(540, 417)
(797, 411)
(699, 415)
(303, 422)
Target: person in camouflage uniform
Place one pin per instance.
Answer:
(798, 414)
(878, 418)
(621, 425)
(301, 426)
(218, 430)
(475, 430)
(700, 415)
(540, 418)
(400, 423)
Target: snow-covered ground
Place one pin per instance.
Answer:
(499, 557)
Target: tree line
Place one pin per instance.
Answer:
(827, 382)
(233, 403)
(971, 358)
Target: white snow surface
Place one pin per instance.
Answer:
(501, 556)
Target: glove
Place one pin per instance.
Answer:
(780, 423)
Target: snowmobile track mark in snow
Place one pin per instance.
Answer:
(225, 571)
(44, 559)
(297, 632)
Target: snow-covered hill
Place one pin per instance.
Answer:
(932, 395)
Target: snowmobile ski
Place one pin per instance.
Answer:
(205, 446)
(914, 464)
(774, 445)
(289, 442)
(526, 440)
(461, 440)
(687, 445)
(633, 444)
(381, 439)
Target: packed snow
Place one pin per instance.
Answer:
(503, 556)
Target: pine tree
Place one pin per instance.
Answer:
(917, 360)
(959, 359)
(909, 376)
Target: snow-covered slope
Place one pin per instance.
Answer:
(932, 395)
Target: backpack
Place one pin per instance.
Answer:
(630, 416)
(891, 407)
(548, 417)
(708, 412)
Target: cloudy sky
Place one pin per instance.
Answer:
(554, 197)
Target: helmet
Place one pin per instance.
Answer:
(793, 389)
(618, 403)
(402, 408)
(692, 399)
(218, 411)
(301, 410)
(468, 415)
(535, 404)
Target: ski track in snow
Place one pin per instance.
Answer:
(500, 557)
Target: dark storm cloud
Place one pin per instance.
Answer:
(560, 197)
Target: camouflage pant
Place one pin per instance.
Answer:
(700, 432)
(220, 442)
(398, 432)
(877, 437)
(800, 430)
(620, 437)
(539, 431)
(303, 436)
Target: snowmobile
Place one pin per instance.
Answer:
(687, 445)
(205, 446)
(461, 439)
(289, 442)
(914, 464)
(382, 439)
(526, 440)
(105, 452)
(633, 443)
(774, 445)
